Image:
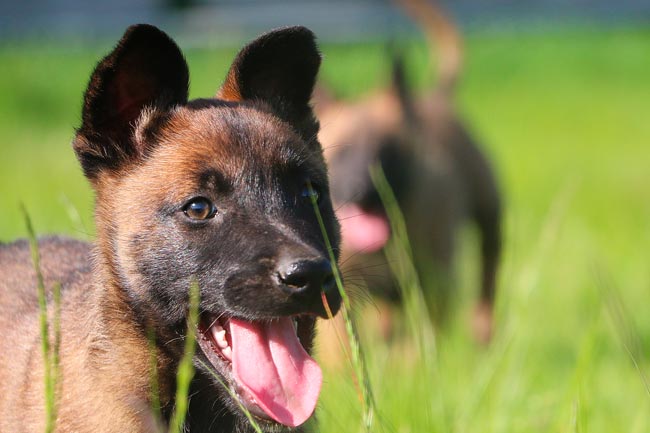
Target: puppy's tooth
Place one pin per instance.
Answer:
(222, 344)
(221, 340)
(227, 353)
(219, 335)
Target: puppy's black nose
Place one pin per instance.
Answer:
(306, 276)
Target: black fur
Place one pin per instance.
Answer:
(146, 69)
(281, 69)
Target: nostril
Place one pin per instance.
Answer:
(295, 279)
(305, 276)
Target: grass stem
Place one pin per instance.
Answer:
(186, 367)
(356, 351)
(50, 345)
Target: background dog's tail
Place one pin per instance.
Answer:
(442, 36)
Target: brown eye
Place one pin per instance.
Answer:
(200, 209)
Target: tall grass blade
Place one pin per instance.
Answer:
(401, 262)
(575, 423)
(56, 349)
(416, 308)
(50, 349)
(338, 335)
(153, 376)
(623, 324)
(356, 351)
(531, 272)
(186, 367)
(75, 216)
(582, 370)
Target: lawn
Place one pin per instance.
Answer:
(565, 116)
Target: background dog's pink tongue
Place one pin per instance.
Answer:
(362, 231)
(273, 367)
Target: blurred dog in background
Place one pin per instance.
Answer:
(438, 174)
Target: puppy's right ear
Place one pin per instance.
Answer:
(278, 68)
(145, 70)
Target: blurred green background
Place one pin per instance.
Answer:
(564, 113)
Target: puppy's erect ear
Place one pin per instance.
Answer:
(399, 85)
(279, 68)
(146, 69)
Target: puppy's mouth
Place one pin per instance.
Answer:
(264, 365)
(363, 230)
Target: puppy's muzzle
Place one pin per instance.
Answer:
(307, 279)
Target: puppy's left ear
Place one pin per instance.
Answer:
(146, 70)
(278, 68)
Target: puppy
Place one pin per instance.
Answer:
(434, 166)
(217, 191)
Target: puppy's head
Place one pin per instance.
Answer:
(376, 131)
(219, 190)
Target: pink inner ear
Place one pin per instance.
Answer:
(130, 94)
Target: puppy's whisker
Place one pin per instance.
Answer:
(361, 267)
(350, 217)
(351, 200)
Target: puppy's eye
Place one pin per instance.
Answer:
(200, 208)
(310, 193)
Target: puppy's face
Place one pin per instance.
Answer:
(223, 197)
(219, 191)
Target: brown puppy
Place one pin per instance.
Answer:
(437, 172)
(212, 190)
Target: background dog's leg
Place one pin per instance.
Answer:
(489, 224)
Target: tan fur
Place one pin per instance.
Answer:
(95, 337)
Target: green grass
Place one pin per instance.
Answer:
(50, 332)
(564, 116)
(185, 371)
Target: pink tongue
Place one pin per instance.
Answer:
(362, 231)
(269, 362)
